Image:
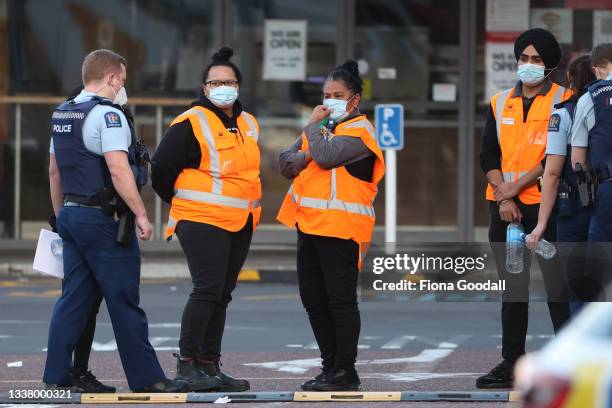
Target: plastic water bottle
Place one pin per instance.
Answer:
(545, 249)
(57, 247)
(515, 243)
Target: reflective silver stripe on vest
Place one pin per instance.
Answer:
(215, 161)
(251, 125)
(292, 194)
(211, 198)
(557, 98)
(333, 189)
(364, 123)
(171, 222)
(510, 175)
(332, 204)
(499, 111)
(321, 204)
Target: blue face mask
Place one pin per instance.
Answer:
(530, 74)
(609, 77)
(223, 96)
(337, 107)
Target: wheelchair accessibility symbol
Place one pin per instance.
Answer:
(390, 126)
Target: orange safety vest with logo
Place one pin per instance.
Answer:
(333, 203)
(523, 143)
(225, 188)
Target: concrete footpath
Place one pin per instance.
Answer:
(271, 258)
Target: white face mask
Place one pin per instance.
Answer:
(530, 74)
(337, 107)
(223, 96)
(120, 97)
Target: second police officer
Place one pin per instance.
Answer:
(591, 131)
(560, 187)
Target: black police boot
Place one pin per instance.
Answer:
(166, 385)
(308, 385)
(89, 383)
(228, 383)
(187, 370)
(501, 376)
(339, 379)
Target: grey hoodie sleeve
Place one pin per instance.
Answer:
(331, 152)
(292, 161)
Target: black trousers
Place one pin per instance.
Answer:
(82, 350)
(514, 313)
(215, 257)
(83, 346)
(327, 276)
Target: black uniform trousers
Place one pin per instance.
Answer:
(215, 257)
(327, 276)
(514, 313)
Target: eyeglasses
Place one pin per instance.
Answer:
(215, 83)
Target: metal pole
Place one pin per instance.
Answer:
(158, 204)
(390, 200)
(17, 175)
(467, 105)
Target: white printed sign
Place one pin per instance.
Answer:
(500, 67)
(602, 27)
(285, 43)
(558, 21)
(507, 15)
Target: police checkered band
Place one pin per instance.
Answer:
(68, 115)
(606, 88)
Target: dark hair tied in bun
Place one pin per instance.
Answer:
(349, 74)
(221, 58)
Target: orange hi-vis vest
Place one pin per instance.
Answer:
(523, 143)
(225, 188)
(333, 203)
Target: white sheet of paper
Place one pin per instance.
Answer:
(44, 260)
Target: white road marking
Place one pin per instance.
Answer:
(301, 366)
(398, 342)
(425, 356)
(291, 366)
(294, 345)
(110, 346)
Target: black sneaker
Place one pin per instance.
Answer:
(308, 385)
(501, 376)
(89, 383)
(341, 379)
(166, 385)
(228, 383)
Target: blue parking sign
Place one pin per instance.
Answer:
(390, 126)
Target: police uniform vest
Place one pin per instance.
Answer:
(567, 173)
(83, 173)
(333, 203)
(600, 136)
(225, 188)
(523, 143)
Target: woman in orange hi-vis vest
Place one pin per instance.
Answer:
(207, 167)
(335, 166)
